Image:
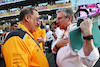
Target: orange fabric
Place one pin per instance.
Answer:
(24, 52)
(3, 34)
(39, 33)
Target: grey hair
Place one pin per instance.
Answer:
(67, 12)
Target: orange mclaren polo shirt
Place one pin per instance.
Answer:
(39, 33)
(20, 50)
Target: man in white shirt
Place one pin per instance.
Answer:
(87, 55)
(49, 38)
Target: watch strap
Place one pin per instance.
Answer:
(56, 47)
(89, 37)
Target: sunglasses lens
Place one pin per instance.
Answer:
(15, 26)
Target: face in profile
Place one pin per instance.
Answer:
(53, 26)
(34, 21)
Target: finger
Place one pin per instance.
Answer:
(64, 45)
(62, 36)
(65, 42)
(66, 38)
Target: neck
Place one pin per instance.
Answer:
(67, 26)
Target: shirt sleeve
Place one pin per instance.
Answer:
(91, 59)
(43, 33)
(53, 44)
(59, 35)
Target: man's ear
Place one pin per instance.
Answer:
(27, 17)
(70, 18)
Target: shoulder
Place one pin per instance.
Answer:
(16, 32)
(73, 26)
(58, 30)
(43, 30)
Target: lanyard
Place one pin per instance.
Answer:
(29, 35)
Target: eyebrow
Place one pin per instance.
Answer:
(59, 17)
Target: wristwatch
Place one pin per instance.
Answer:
(56, 47)
(89, 37)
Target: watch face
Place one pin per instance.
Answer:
(90, 37)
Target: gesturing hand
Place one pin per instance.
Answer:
(62, 42)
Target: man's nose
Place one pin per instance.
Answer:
(38, 23)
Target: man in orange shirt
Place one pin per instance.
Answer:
(20, 48)
(40, 35)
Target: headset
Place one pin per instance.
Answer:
(78, 14)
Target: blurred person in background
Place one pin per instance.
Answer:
(14, 25)
(49, 38)
(53, 26)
